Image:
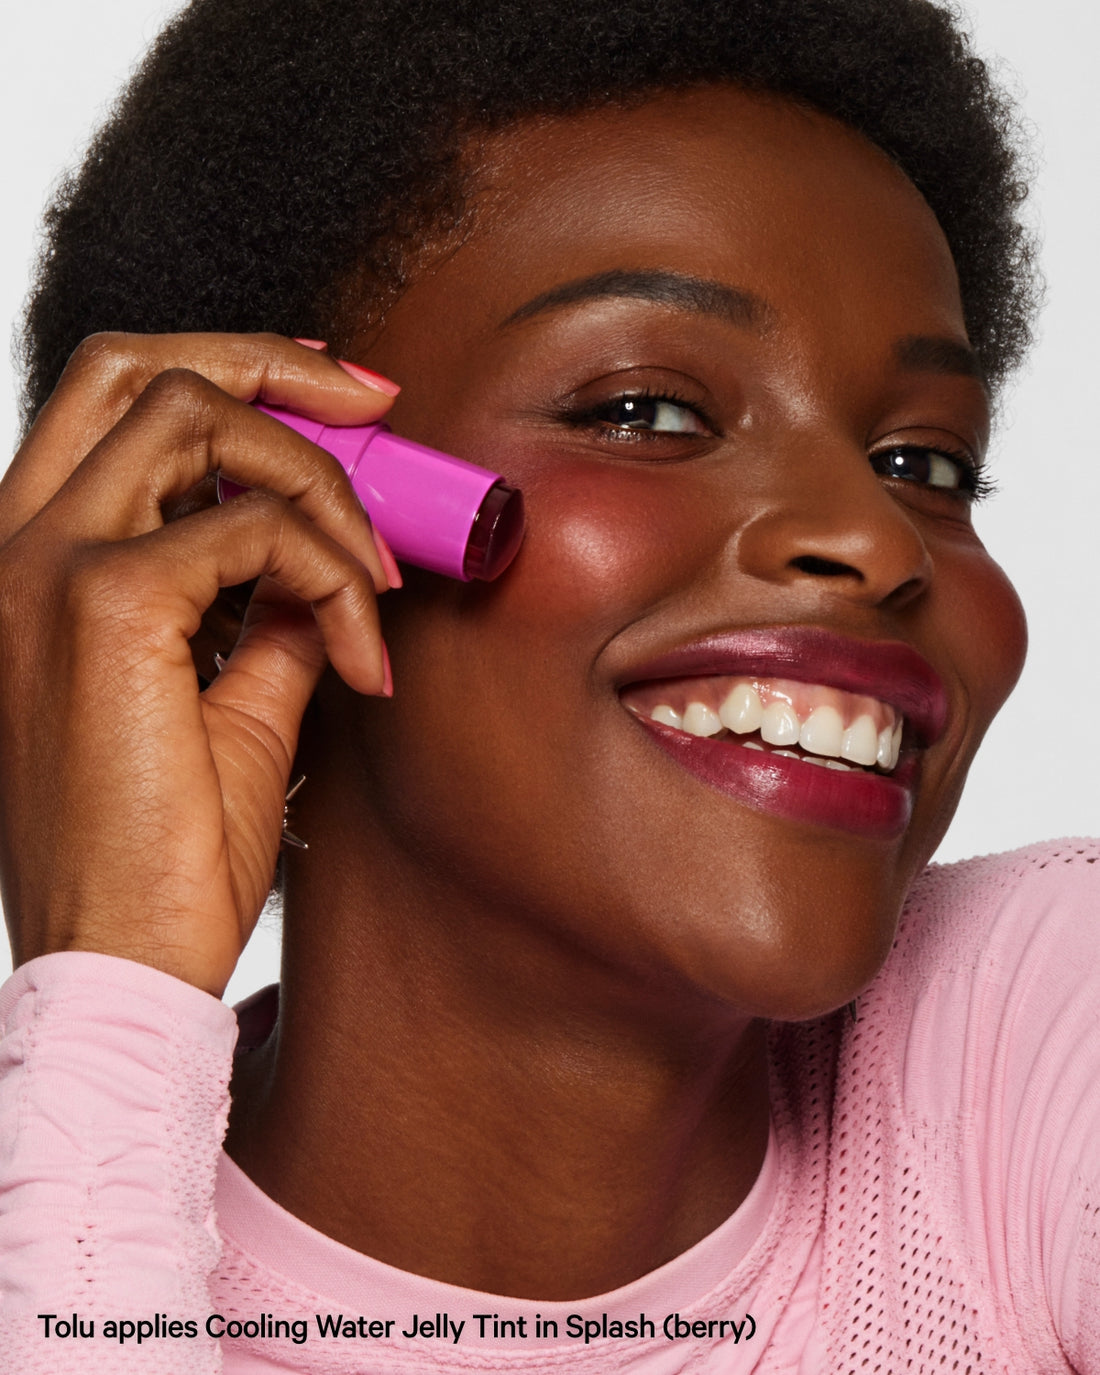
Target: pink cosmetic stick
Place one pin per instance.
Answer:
(433, 510)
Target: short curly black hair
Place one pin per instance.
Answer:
(268, 151)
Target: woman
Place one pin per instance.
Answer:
(567, 960)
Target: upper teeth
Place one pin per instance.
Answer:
(860, 730)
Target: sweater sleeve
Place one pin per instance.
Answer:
(1051, 1100)
(1004, 1054)
(113, 1104)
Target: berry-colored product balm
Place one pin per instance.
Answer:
(433, 510)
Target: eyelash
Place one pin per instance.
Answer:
(975, 485)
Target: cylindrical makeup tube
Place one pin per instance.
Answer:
(433, 510)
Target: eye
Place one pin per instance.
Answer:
(955, 472)
(645, 414)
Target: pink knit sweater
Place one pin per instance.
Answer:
(930, 1199)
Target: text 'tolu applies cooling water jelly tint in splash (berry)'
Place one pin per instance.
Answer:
(433, 510)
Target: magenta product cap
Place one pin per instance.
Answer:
(433, 510)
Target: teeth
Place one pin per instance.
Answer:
(700, 720)
(780, 724)
(742, 710)
(861, 742)
(783, 714)
(889, 747)
(822, 733)
(802, 758)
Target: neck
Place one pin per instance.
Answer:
(461, 1098)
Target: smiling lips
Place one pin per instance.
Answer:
(730, 712)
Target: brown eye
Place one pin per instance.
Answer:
(652, 414)
(928, 467)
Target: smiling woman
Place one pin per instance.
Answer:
(560, 1069)
(658, 554)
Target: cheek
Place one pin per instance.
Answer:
(988, 632)
(604, 545)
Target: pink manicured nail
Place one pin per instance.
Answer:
(389, 563)
(387, 672)
(312, 343)
(374, 380)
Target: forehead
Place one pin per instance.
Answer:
(751, 193)
(746, 188)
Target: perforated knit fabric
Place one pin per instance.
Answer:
(113, 1102)
(930, 1201)
(965, 1142)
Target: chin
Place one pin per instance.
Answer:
(787, 923)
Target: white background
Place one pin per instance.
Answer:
(63, 61)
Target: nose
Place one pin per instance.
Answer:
(836, 521)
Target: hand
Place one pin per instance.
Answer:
(139, 816)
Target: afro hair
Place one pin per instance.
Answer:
(268, 151)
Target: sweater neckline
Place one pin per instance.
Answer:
(285, 1245)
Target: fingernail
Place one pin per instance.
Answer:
(374, 380)
(387, 672)
(312, 343)
(389, 563)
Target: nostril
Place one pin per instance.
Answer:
(823, 568)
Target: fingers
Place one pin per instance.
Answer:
(273, 669)
(141, 817)
(109, 372)
(183, 428)
(161, 582)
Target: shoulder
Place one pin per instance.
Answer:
(972, 1079)
(986, 953)
(1000, 914)
(986, 1013)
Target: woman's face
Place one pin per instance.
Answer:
(717, 341)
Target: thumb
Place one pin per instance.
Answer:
(273, 670)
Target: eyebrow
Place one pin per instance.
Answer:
(926, 353)
(746, 310)
(675, 289)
